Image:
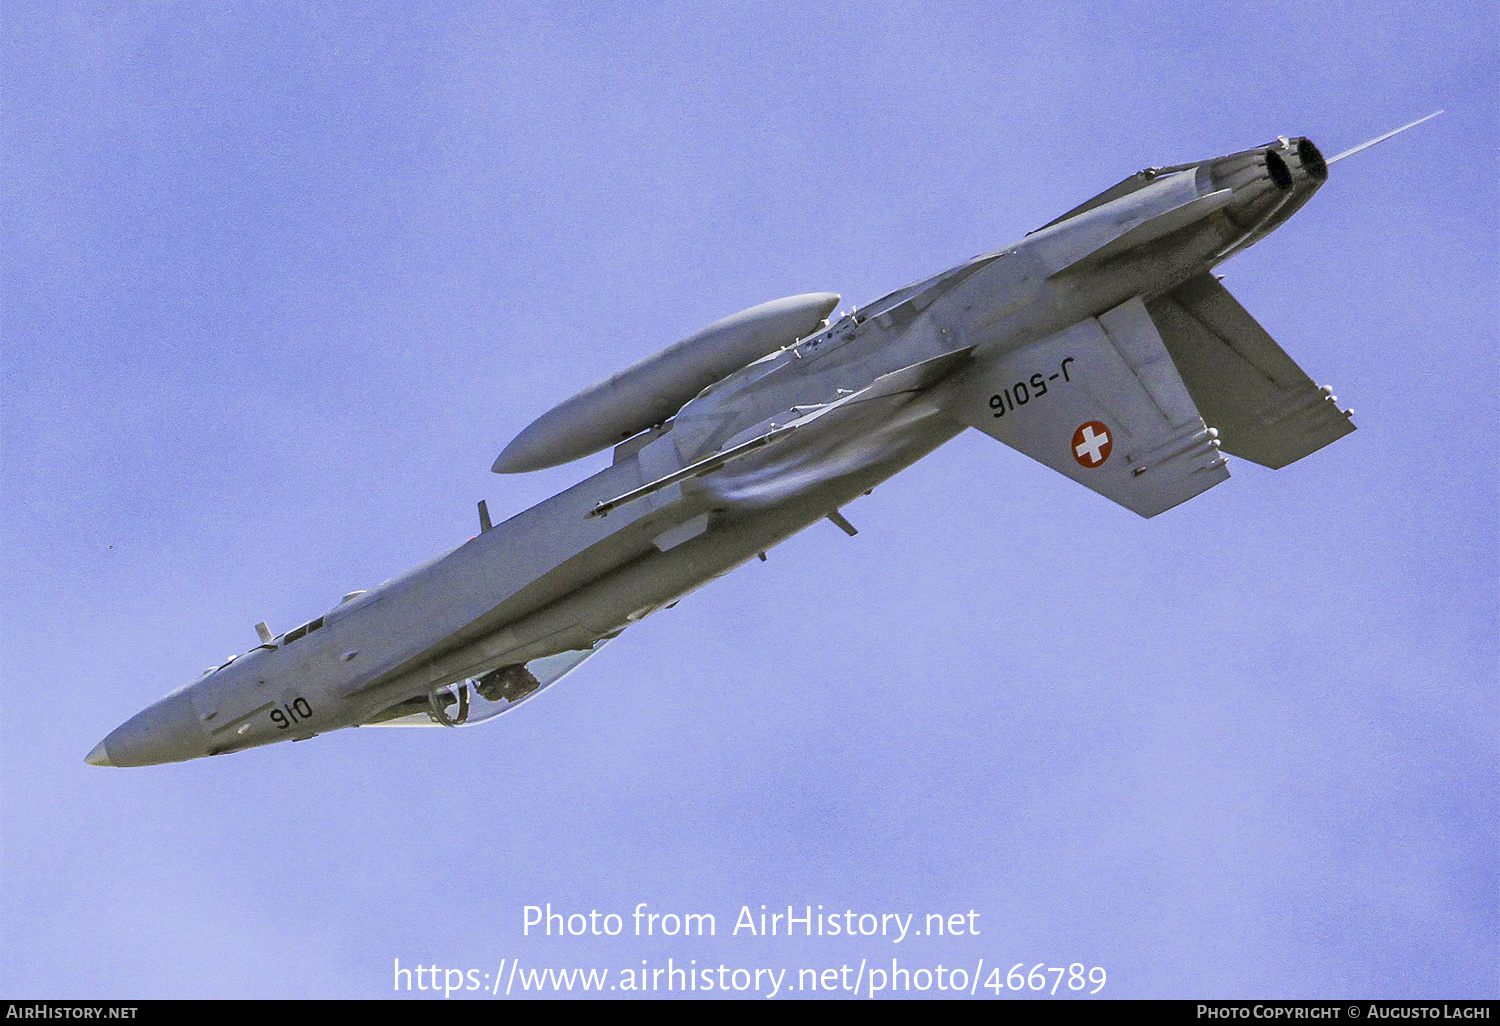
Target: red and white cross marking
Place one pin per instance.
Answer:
(1091, 444)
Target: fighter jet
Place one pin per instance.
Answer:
(1102, 345)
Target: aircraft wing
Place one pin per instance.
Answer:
(1266, 409)
(1100, 402)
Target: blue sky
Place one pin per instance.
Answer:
(280, 281)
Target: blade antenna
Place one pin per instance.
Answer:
(1383, 138)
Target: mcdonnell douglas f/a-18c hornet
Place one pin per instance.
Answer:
(1101, 345)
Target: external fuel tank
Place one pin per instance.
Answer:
(651, 391)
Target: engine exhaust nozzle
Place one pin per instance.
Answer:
(1311, 159)
(1276, 167)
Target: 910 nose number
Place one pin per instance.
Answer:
(294, 712)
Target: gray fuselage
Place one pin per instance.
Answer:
(554, 579)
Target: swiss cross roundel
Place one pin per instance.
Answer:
(1091, 444)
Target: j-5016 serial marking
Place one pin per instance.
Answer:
(1022, 392)
(1136, 370)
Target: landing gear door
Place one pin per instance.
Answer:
(474, 700)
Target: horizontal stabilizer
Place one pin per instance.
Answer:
(1266, 409)
(1101, 403)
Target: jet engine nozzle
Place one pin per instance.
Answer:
(1310, 158)
(1281, 175)
(1287, 165)
(1270, 183)
(1257, 171)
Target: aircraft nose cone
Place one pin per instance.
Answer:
(167, 731)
